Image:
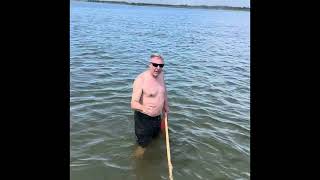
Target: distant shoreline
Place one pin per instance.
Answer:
(175, 6)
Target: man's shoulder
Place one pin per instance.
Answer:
(141, 76)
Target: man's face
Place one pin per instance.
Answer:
(155, 61)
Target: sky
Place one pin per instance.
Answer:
(233, 3)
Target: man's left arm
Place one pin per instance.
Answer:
(166, 104)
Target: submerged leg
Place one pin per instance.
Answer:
(139, 152)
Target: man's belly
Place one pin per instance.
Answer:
(157, 106)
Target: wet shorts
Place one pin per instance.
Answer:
(146, 127)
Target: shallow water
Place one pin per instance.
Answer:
(207, 72)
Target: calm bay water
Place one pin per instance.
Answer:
(207, 72)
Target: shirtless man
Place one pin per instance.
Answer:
(149, 100)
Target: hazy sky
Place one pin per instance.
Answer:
(234, 3)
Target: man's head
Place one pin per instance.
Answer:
(156, 64)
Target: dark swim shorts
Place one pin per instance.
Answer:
(146, 127)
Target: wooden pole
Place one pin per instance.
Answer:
(168, 147)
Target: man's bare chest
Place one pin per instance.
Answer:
(152, 88)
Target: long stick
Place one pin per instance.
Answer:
(168, 147)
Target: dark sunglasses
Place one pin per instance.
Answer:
(156, 65)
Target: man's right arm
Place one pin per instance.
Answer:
(136, 94)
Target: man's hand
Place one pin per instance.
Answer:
(165, 110)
